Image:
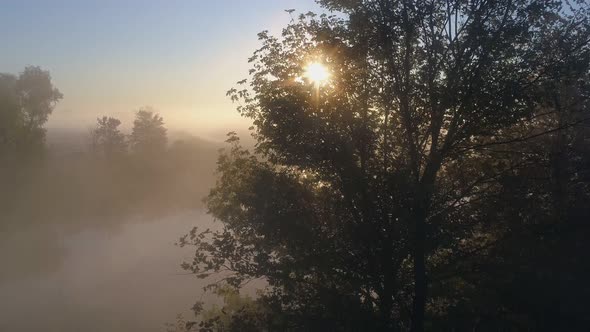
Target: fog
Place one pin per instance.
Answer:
(123, 279)
(86, 235)
(88, 240)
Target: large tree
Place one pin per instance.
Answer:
(26, 102)
(362, 191)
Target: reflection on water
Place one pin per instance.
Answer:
(128, 279)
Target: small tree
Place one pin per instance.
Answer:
(106, 138)
(149, 134)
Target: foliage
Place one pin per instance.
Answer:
(149, 134)
(237, 313)
(26, 102)
(106, 139)
(383, 200)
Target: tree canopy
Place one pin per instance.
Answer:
(26, 102)
(149, 134)
(412, 189)
(106, 138)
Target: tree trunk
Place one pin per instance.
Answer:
(420, 214)
(419, 271)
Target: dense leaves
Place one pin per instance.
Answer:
(26, 102)
(149, 134)
(416, 188)
(106, 138)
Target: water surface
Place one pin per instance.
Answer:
(117, 279)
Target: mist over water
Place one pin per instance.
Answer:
(87, 238)
(126, 278)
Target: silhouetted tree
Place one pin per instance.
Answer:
(11, 117)
(364, 192)
(149, 134)
(26, 102)
(106, 138)
(526, 269)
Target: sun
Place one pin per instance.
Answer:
(317, 73)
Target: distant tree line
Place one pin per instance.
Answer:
(118, 175)
(148, 136)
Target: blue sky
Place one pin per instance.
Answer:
(112, 57)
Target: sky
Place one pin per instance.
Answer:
(112, 57)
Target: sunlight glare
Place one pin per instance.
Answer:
(317, 73)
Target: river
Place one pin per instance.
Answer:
(115, 279)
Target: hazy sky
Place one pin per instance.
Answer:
(111, 57)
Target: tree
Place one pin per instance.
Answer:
(106, 139)
(149, 134)
(10, 115)
(238, 313)
(363, 192)
(26, 102)
(531, 270)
